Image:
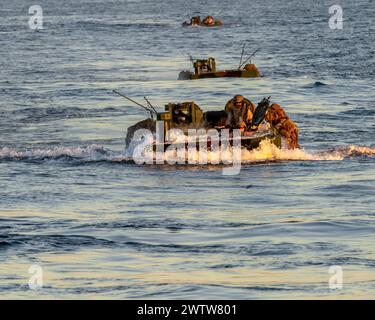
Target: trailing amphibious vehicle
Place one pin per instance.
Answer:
(206, 68)
(209, 21)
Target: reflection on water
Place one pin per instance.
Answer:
(102, 227)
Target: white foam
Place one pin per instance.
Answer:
(266, 152)
(269, 152)
(91, 152)
(360, 150)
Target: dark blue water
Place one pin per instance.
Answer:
(103, 227)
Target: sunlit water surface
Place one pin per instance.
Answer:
(101, 227)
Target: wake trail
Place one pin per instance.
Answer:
(267, 152)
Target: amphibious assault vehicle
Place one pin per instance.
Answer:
(206, 68)
(189, 115)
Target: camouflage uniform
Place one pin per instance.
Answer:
(277, 117)
(237, 116)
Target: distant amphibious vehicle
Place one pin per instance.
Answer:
(206, 68)
(209, 21)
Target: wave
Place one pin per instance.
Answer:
(34, 115)
(316, 84)
(110, 25)
(91, 153)
(267, 152)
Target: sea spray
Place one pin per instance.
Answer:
(265, 153)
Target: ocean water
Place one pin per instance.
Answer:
(101, 226)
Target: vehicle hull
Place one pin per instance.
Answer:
(221, 74)
(248, 143)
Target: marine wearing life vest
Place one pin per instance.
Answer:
(208, 21)
(277, 117)
(239, 112)
(195, 21)
(250, 67)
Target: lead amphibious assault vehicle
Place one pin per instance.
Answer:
(188, 115)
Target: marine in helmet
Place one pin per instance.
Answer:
(194, 21)
(278, 119)
(239, 112)
(210, 21)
